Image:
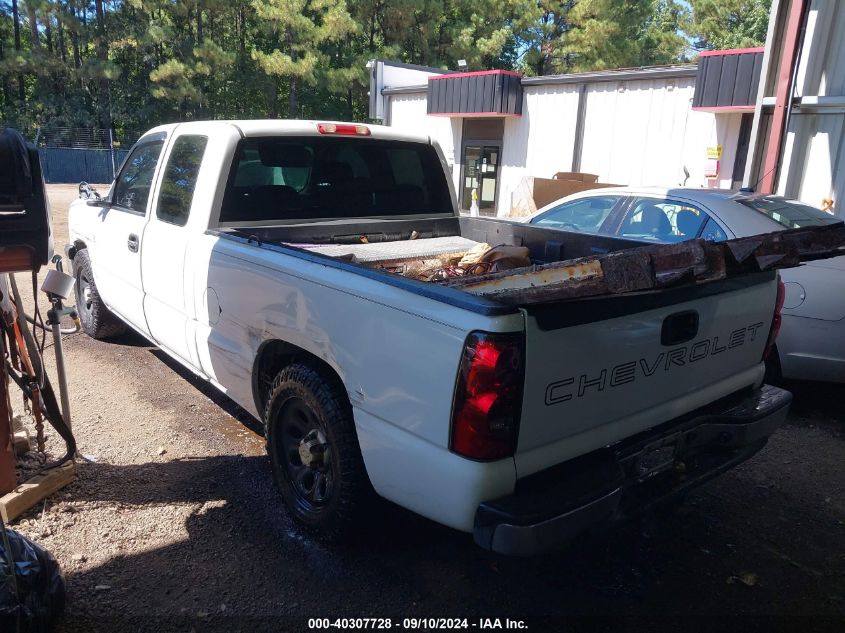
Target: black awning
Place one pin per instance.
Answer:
(485, 93)
(728, 80)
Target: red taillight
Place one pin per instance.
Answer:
(343, 128)
(777, 319)
(488, 396)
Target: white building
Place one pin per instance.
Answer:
(644, 126)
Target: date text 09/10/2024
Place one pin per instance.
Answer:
(416, 624)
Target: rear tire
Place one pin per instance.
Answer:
(314, 452)
(97, 320)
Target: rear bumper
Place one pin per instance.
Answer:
(550, 508)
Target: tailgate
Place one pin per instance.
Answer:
(600, 370)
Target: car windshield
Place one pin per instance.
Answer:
(278, 179)
(789, 213)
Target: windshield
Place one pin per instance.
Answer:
(286, 178)
(789, 213)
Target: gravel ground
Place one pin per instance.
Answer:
(175, 525)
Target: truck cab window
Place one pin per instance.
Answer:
(286, 179)
(132, 186)
(180, 178)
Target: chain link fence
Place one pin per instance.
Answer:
(71, 155)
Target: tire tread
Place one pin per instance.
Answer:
(352, 484)
(103, 323)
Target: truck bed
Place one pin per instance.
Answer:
(565, 265)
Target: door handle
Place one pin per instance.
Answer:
(132, 243)
(679, 328)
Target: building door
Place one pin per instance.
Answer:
(481, 162)
(480, 177)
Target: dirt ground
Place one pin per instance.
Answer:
(175, 524)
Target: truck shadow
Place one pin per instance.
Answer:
(819, 401)
(242, 550)
(237, 547)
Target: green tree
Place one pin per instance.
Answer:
(544, 38)
(608, 34)
(723, 24)
(291, 49)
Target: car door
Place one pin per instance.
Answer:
(584, 215)
(666, 220)
(168, 293)
(117, 246)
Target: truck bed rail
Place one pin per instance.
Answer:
(651, 268)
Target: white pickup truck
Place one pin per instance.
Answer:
(267, 257)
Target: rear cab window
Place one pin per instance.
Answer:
(790, 214)
(291, 179)
(586, 214)
(664, 220)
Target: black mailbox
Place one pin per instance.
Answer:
(24, 210)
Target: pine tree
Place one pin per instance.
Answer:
(296, 31)
(609, 34)
(722, 24)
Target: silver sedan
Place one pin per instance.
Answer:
(811, 345)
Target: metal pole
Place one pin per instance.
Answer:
(54, 320)
(111, 150)
(789, 57)
(8, 479)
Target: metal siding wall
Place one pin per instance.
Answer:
(727, 135)
(813, 163)
(408, 113)
(814, 160)
(547, 127)
(822, 68)
(645, 134)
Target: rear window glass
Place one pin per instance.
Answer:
(789, 213)
(312, 178)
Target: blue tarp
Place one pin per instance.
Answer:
(75, 165)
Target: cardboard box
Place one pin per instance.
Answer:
(534, 193)
(576, 175)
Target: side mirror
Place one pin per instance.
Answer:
(88, 192)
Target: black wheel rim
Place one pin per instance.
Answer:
(304, 455)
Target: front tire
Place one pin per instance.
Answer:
(97, 320)
(314, 452)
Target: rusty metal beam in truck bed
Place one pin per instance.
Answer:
(655, 267)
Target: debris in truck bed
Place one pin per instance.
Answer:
(654, 267)
(401, 250)
(479, 260)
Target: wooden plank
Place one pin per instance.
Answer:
(29, 493)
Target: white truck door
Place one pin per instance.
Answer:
(168, 286)
(116, 252)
